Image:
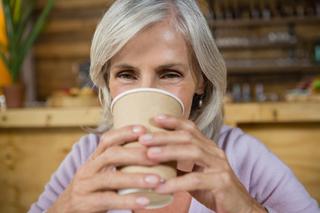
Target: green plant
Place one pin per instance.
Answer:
(22, 29)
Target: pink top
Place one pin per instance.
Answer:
(264, 176)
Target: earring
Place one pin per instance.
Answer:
(200, 102)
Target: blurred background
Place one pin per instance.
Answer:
(47, 101)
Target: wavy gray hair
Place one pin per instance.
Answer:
(125, 18)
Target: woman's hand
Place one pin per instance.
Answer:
(212, 181)
(94, 186)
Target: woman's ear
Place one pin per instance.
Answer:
(200, 85)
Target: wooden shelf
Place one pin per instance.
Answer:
(50, 117)
(272, 68)
(263, 22)
(270, 45)
(63, 50)
(272, 112)
(91, 116)
(71, 25)
(76, 4)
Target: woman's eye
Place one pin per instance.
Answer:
(170, 74)
(126, 75)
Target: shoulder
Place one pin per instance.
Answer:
(249, 158)
(243, 152)
(240, 145)
(262, 173)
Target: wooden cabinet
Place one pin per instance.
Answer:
(28, 158)
(33, 142)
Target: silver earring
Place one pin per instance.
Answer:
(200, 102)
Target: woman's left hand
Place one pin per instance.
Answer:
(212, 181)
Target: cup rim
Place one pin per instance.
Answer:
(146, 90)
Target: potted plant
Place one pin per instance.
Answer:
(22, 29)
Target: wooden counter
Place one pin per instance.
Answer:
(33, 142)
(235, 114)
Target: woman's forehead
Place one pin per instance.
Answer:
(159, 42)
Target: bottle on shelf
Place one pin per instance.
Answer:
(300, 9)
(287, 8)
(254, 10)
(236, 93)
(309, 8)
(217, 10)
(235, 9)
(266, 12)
(317, 6)
(259, 93)
(244, 11)
(246, 93)
(228, 12)
(317, 52)
(275, 13)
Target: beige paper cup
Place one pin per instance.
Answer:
(139, 106)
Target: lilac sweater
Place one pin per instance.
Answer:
(264, 176)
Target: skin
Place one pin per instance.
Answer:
(156, 57)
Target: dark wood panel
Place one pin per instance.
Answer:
(65, 42)
(61, 65)
(63, 50)
(263, 22)
(256, 54)
(77, 4)
(72, 24)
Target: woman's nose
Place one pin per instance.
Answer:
(148, 82)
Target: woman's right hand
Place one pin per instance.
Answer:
(95, 184)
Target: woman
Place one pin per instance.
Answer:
(167, 44)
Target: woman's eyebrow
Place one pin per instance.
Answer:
(124, 66)
(171, 65)
(161, 67)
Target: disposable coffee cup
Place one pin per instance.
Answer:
(139, 106)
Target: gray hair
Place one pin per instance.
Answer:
(125, 18)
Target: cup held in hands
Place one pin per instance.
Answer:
(139, 106)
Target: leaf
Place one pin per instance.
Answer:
(35, 32)
(9, 33)
(22, 25)
(4, 59)
(8, 18)
(17, 11)
(316, 84)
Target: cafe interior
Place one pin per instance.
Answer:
(48, 101)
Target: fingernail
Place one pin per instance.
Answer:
(151, 179)
(161, 117)
(137, 129)
(155, 151)
(146, 138)
(142, 201)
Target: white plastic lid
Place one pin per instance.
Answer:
(146, 90)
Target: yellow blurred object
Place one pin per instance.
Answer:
(73, 97)
(3, 37)
(5, 78)
(86, 91)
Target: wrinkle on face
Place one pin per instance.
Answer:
(149, 51)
